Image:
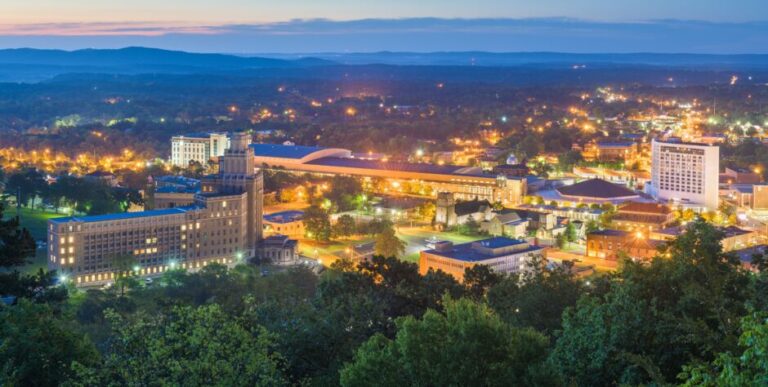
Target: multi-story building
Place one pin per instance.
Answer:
(199, 147)
(502, 255)
(223, 225)
(687, 173)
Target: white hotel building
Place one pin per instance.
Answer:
(685, 173)
(197, 147)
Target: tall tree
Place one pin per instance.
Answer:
(478, 279)
(38, 347)
(652, 319)
(345, 226)
(16, 243)
(749, 367)
(537, 296)
(467, 346)
(388, 244)
(189, 347)
(317, 223)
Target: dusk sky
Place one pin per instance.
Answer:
(287, 26)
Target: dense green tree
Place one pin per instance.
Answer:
(478, 279)
(570, 233)
(345, 226)
(188, 346)
(469, 345)
(127, 197)
(16, 243)
(377, 226)
(387, 244)
(652, 319)
(470, 227)
(529, 147)
(39, 346)
(40, 286)
(27, 184)
(747, 368)
(567, 160)
(125, 272)
(537, 296)
(344, 190)
(561, 240)
(317, 222)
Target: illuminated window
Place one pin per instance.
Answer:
(71, 249)
(62, 240)
(63, 250)
(71, 239)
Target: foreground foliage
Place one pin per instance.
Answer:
(691, 316)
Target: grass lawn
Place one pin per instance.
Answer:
(36, 221)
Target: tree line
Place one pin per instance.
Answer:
(92, 197)
(693, 317)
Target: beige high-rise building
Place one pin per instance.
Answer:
(224, 225)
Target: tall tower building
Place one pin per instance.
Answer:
(238, 175)
(685, 172)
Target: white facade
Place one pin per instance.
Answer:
(685, 172)
(200, 148)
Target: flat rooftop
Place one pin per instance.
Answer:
(399, 166)
(284, 151)
(468, 252)
(121, 216)
(284, 216)
(197, 135)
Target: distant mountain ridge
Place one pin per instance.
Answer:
(505, 59)
(28, 64)
(142, 56)
(35, 65)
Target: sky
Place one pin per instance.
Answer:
(306, 26)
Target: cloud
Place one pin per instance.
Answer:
(409, 34)
(100, 29)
